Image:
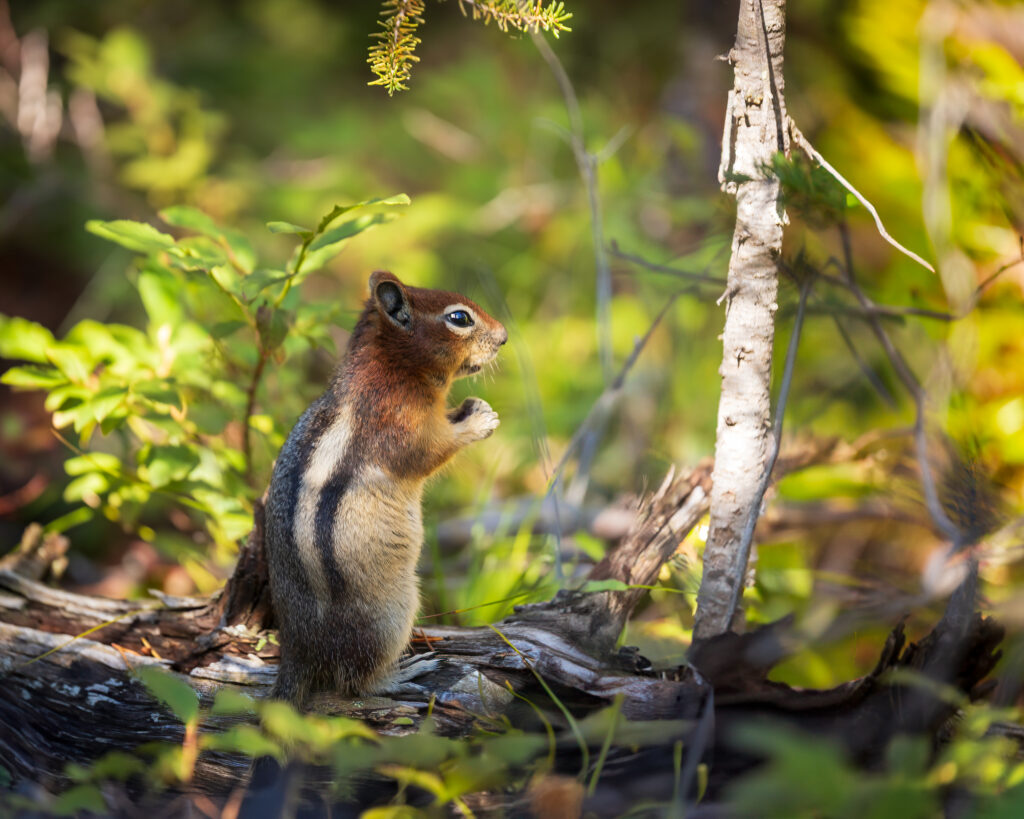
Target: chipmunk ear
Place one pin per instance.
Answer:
(391, 299)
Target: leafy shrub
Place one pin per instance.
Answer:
(168, 414)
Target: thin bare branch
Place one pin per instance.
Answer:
(984, 285)
(640, 261)
(587, 164)
(887, 310)
(812, 152)
(865, 368)
(606, 400)
(913, 386)
(250, 407)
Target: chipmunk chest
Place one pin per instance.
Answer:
(351, 518)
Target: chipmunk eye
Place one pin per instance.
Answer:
(460, 318)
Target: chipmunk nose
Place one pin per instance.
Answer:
(503, 338)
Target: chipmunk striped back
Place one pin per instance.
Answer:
(344, 526)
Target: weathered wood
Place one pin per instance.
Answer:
(82, 700)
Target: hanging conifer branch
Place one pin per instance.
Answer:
(391, 57)
(533, 16)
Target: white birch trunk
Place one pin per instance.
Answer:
(755, 129)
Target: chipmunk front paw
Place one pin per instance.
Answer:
(474, 420)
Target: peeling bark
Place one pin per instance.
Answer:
(755, 129)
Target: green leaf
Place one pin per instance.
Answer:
(239, 247)
(21, 339)
(116, 765)
(167, 464)
(245, 739)
(76, 517)
(176, 694)
(393, 812)
(228, 702)
(330, 244)
(259, 281)
(92, 483)
(92, 462)
(338, 210)
(197, 253)
(78, 799)
(227, 278)
(158, 391)
(185, 216)
(284, 722)
(223, 329)
(31, 377)
(161, 296)
(70, 360)
(137, 236)
(287, 227)
(107, 401)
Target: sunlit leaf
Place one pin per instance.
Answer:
(161, 295)
(73, 518)
(70, 360)
(287, 227)
(92, 483)
(137, 236)
(245, 739)
(228, 701)
(166, 464)
(253, 285)
(338, 210)
(176, 694)
(24, 340)
(92, 462)
(330, 244)
(32, 377)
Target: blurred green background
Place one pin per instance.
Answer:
(260, 111)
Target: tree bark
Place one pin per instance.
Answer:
(755, 130)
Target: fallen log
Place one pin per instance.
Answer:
(68, 692)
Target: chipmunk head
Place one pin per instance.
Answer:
(438, 331)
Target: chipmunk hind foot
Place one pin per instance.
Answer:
(400, 680)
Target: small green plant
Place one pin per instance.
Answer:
(445, 768)
(168, 415)
(912, 784)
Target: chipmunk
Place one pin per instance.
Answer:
(343, 518)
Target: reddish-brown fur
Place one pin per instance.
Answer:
(402, 378)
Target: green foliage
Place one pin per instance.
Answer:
(393, 53)
(166, 415)
(448, 769)
(911, 785)
(167, 142)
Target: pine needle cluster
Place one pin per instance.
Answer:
(522, 15)
(391, 57)
(393, 53)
